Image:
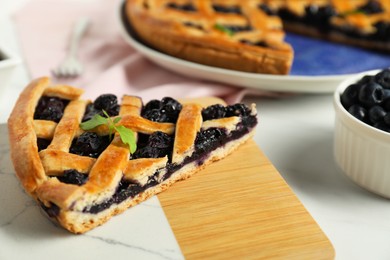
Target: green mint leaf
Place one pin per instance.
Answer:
(127, 137)
(95, 121)
(357, 11)
(116, 120)
(105, 113)
(223, 29)
(110, 123)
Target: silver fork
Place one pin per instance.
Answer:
(71, 66)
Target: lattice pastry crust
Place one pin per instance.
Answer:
(115, 179)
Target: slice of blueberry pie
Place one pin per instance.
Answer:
(84, 161)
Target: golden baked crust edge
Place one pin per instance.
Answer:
(22, 137)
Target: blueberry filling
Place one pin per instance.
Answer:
(209, 140)
(193, 25)
(106, 102)
(50, 108)
(52, 211)
(157, 145)
(166, 110)
(206, 141)
(369, 100)
(218, 111)
(124, 191)
(319, 16)
(73, 177)
(227, 9)
(238, 110)
(257, 43)
(42, 143)
(89, 144)
(188, 7)
(266, 9)
(382, 31)
(213, 112)
(371, 7)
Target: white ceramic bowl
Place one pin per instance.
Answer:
(361, 151)
(8, 64)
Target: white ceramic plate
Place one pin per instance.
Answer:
(285, 83)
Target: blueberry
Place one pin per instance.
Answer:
(386, 104)
(319, 15)
(359, 112)
(371, 7)
(213, 112)
(383, 78)
(171, 108)
(166, 110)
(237, 110)
(382, 126)
(172, 103)
(107, 102)
(376, 114)
(382, 30)
(90, 111)
(160, 140)
(157, 145)
(208, 139)
(193, 25)
(386, 118)
(182, 7)
(114, 110)
(155, 115)
(350, 95)
(233, 9)
(42, 143)
(89, 144)
(370, 94)
(50, 108)
(147, 152)
(366, 79)
(152, 104)
(254, 43)
(52, 113)
(126, 191)
(73, 177)
(266, 9)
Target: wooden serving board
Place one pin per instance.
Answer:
(241, 208)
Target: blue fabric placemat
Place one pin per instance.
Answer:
(314, 57)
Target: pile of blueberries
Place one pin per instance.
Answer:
(369, 100)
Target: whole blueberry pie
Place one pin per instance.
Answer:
(85, 161)
(249, 35)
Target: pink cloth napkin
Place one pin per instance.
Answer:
(111, 65)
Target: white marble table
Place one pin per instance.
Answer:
(296, 133)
